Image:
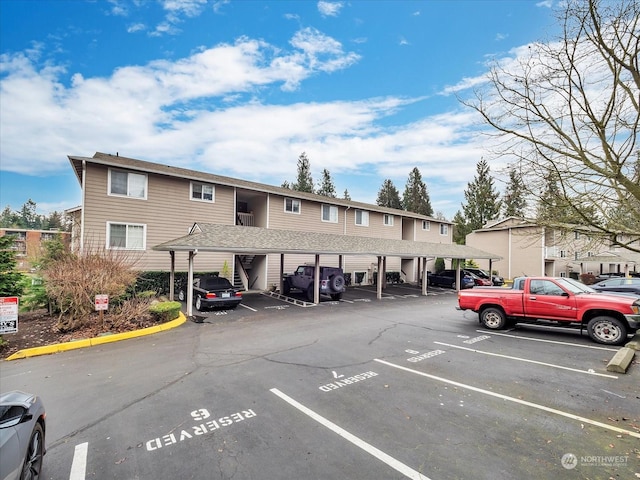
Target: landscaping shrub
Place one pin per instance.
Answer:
(165, 311)
(587, 278)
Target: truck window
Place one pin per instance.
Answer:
(544, 287)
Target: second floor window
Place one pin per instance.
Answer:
(292, 205)
(563, 253)
(330, 213)
(388, 220)
(426, 225)
(202, 191)
(362, 218)
(127, 184)
(444, 229)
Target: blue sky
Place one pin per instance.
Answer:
(368, 89)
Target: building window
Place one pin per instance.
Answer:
(330, 213)
(127, 184)
(426, 225)
(576, 235)
(126, 236)
(563, 274)
(362, 218)
(292, 205)
(576, 255)
(444, 229)
(563, 253)
(202, 192)
(388, 220)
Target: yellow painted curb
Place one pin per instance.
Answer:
(91, 342)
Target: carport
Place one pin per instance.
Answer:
(236, 239)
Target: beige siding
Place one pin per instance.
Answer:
(167, 213)
(308, 220)
(432, 235)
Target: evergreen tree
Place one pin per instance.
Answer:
(10, 279)
(388, 196)
(304, 182)
(9, 218)
(286, 185)
(483, 202)
(514, 202)
(326, 187)
(460, 228)
(28, 216)
(416, 198)
(554, 205)
(346, 195)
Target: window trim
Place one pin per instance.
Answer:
(388, 216)
(426, 223)
(128, 195)
(293, 201)
(213, 192)
(332, 208)
(127, 224)
(444, 229)
(363, 212)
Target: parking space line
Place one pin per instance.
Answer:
(370, 449)
(79, 464)
(520, 359)
(248, 308)
(512, 399)
(593, 347)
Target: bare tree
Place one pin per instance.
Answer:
(570, 110)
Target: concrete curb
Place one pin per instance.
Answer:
(635, 342)
(621, 360)
(91, 342)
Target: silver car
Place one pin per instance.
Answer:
(22, 431)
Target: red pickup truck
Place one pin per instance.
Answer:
(563, 301)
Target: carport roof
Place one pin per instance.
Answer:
(256, 240)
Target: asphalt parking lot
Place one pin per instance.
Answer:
(403, 387)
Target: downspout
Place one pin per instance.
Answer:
(84, 190)
(509, 253)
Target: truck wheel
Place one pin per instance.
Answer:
(453, 285)
(286, 287)
(607, 330)
(198, 303)
(181, 295)
(337, 283)
(493, 318)
(310, 292)
(336, 296)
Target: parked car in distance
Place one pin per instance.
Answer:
(607, 276)
(332, 281)
(447, 278)
(478, 280)
(22, 433)
(496, 280)
(618, 285)
(212, 291)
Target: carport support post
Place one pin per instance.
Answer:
(172, 275)
(457, 275)
(424, 276)
(379, 282)
(384, 272)
(281, 286)
(190, 284)
(316, 281)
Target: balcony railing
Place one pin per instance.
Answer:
(246, 219)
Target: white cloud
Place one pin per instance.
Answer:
(545, 3)
(136, 27)
(501, 36)
(329, 9)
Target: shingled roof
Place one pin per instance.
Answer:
(256, 240)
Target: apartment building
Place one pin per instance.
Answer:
(526, 248)
(28, 244)
(130, 206)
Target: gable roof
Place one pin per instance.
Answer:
(256, 240)
(159, 169)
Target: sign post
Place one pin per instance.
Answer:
(8, 314)
(102, 304)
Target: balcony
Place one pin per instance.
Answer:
(245, 219)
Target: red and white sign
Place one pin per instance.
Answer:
(8, 315)
(102, 302)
